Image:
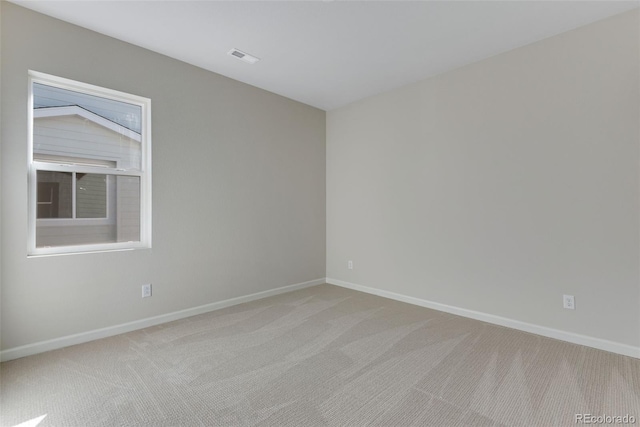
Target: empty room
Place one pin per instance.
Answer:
(309, 213)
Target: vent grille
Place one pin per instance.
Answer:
(243, 56)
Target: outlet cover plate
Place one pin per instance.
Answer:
(569, 302)
(146, 290)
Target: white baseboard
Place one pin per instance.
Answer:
(614, 347)
(42, 346)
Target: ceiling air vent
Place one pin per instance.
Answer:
(243, 56)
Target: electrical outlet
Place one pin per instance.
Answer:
(146, 290)
(350, 265)
(568, 302)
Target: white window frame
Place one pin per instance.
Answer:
(144, 173)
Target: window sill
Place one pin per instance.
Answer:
(84, 249)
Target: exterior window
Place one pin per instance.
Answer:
(89, 168)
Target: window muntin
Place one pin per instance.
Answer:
(89, 175)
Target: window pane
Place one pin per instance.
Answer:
(54, 194)
(70, 125)
(91, 195)
(107, 210)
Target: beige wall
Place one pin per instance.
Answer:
(500, 186)
(238, 189)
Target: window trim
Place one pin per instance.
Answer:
(144, 173)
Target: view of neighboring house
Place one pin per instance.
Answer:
(80, 207)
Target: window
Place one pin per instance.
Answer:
(89, 168)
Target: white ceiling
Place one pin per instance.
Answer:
(330, 53)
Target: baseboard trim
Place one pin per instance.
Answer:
(56, 343)
(571, 337)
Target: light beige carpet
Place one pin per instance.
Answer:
(320, 356)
